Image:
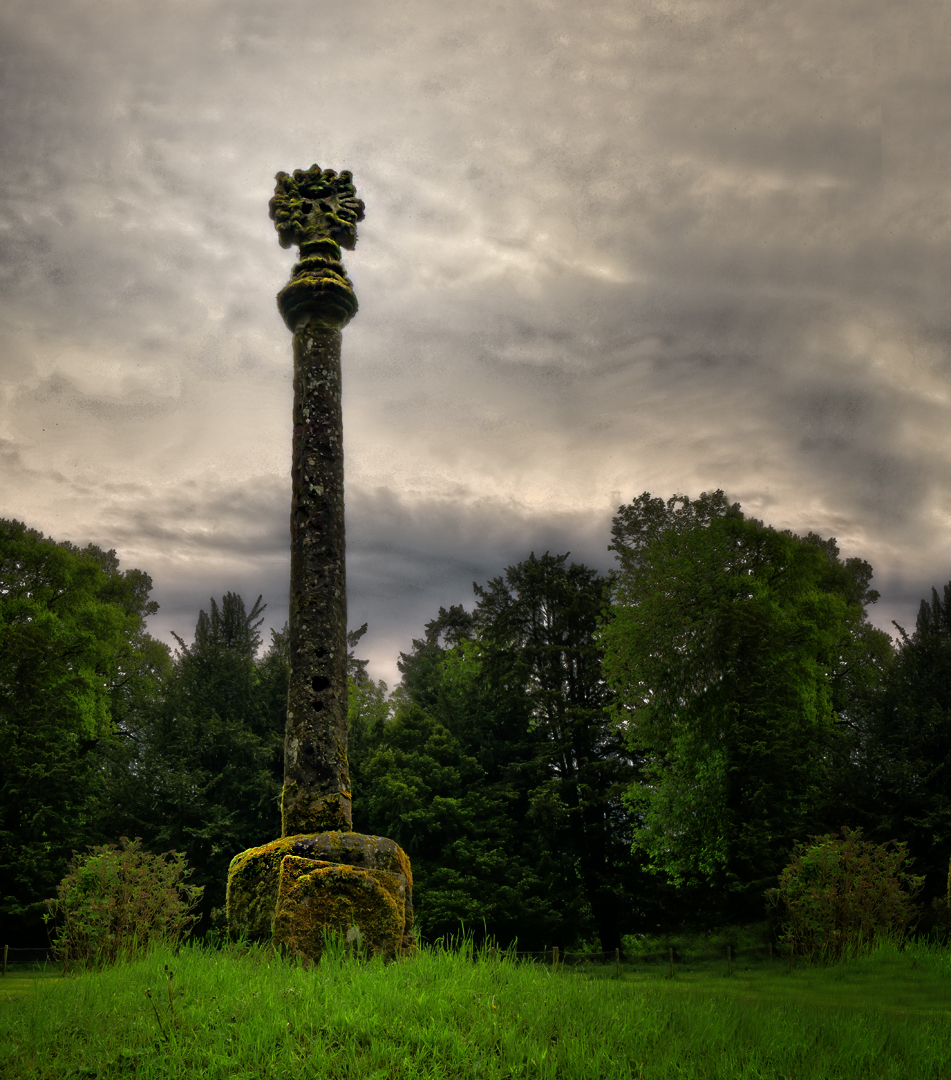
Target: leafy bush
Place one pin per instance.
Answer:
(116, 901)
(838, 895)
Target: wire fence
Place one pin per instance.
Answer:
(672, 957)
(27, 957)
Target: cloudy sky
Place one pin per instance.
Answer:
(610, 247)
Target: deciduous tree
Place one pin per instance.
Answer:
(75, 666)
(727, 646)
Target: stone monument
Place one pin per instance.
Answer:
(320, 876)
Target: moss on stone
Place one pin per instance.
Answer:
(252, 889)
(320, 898)
(316, 203)
(305, 811)
(254, 876)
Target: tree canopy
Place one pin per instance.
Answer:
(727, 642)
(501, 770)
(75, 664)
(578, 757)
(901, 758)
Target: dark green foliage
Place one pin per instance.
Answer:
(436, 778)
(76, 666)
(744, 703)
(270, 690)
(423, 791)
(902, 770)
(422, 668)
(728, 648)
(839, 896)
(117, 901)
(538, 628)
(204, 778)
(501, 771)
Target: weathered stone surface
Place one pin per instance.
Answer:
(319, 876)
(319, 293)
(314, 203)
(319, 898)
(254, 876)
(318, 210)
(316, 795)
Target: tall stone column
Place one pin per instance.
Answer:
(319, 211)
(319, 877)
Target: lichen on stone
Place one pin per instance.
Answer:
(307, 811)
(318, 210)
(315, 203)
(320, 898)
(254, 878)
(319, 877)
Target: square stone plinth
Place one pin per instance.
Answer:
(254, 876)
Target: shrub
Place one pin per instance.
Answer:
(116, 901)
(838, 895)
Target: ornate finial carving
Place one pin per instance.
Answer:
(318, 210)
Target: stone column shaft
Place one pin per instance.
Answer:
(316, 774)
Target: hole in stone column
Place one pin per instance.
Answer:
(319, 683)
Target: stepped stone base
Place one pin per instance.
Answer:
(293, 890)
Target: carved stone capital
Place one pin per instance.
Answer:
(318, 210)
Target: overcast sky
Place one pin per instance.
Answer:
(609, 247)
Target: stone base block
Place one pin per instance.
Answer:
(254, 878)
(366, 907)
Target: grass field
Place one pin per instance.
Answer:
(247, 1014)
(21, 978)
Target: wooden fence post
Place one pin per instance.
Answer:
(729, 960)
(554, 958)
(6, 949)
(671, 955)
(617, 962)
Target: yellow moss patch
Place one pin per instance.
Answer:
(317, 898)
(252, 889)
(254, 876)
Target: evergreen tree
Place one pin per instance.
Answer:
(538, 628)
(202, 780)
(902, 756)
(507, 710)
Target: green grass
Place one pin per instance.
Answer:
(442, 1014)
(21, 978)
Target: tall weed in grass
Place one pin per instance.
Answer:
(840, 895)
(116, 901)
(461, 1014)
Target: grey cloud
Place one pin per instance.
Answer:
(609, 247)
(405, 558)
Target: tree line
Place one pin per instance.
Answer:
(577, 757)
